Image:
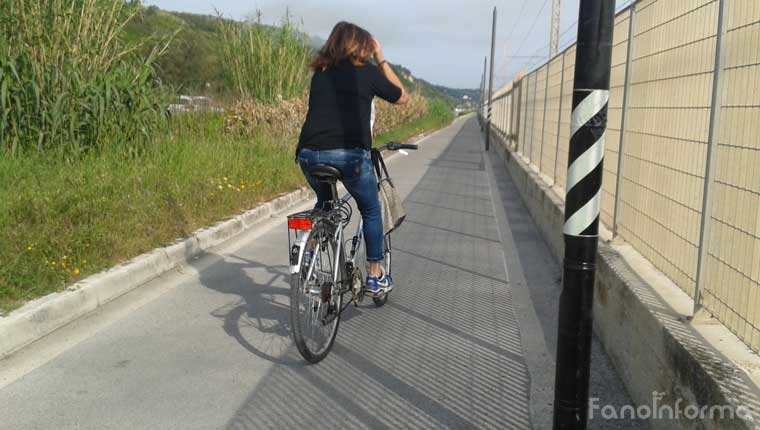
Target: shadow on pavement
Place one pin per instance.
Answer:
(258, 318)
(543, 276)
(443, 353)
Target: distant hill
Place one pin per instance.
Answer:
(316, 42)
(459, 93)
(193, 60)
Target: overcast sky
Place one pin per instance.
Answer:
(442, 41)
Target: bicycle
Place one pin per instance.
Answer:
(323, 268)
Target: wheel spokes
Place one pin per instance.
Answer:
(316, 311)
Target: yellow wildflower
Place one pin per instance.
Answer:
(242, 187)
(63, 265)
(53, 263)
(225, 179)
(76, 271)
(84, 262)
(65, 257)
(220, 187)
(29, 248)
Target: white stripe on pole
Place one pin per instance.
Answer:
(586, 163)
(576, 224)
(587, 109)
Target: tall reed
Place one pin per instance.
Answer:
(265, 63)
(68, 81)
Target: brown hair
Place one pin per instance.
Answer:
(347, 42)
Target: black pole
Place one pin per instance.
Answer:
(480, 102)
(483, 93)
(490, 82)
(584, 184)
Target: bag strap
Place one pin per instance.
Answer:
(375, 163)
(380, 167)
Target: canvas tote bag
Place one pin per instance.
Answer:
(390, 201)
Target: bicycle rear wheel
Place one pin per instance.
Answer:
(315, 297)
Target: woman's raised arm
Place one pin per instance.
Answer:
(389, 74)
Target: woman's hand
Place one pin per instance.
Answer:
(378, 54)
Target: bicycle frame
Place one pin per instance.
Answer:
(356, 240)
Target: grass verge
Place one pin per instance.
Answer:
(438, 115)
(61, 221)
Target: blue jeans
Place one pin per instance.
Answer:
(359, 179)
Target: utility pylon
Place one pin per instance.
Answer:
(490, 82)
(554, 40)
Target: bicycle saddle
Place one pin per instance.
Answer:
(325, 173)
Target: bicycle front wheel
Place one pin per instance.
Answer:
(316, 295)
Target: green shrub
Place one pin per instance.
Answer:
(265, 63)
(68, 81)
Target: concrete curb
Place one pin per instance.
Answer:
(42, 316)
(640, 318)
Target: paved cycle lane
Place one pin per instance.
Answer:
(445, 351)
(465, 341)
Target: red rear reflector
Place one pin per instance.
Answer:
(299, 224)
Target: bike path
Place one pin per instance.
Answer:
(459, 345)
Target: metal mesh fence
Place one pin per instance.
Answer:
(732, 273)
(663, 98)
(615, 116)
(564, 121)
(666, 136)
(539, 103)
(551, 122)
(501, 112)
(515, 101)
(530, 116)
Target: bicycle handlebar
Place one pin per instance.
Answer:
(395, 146)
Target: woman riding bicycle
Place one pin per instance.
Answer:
(337, 129)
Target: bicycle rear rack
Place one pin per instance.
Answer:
(300, 225)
